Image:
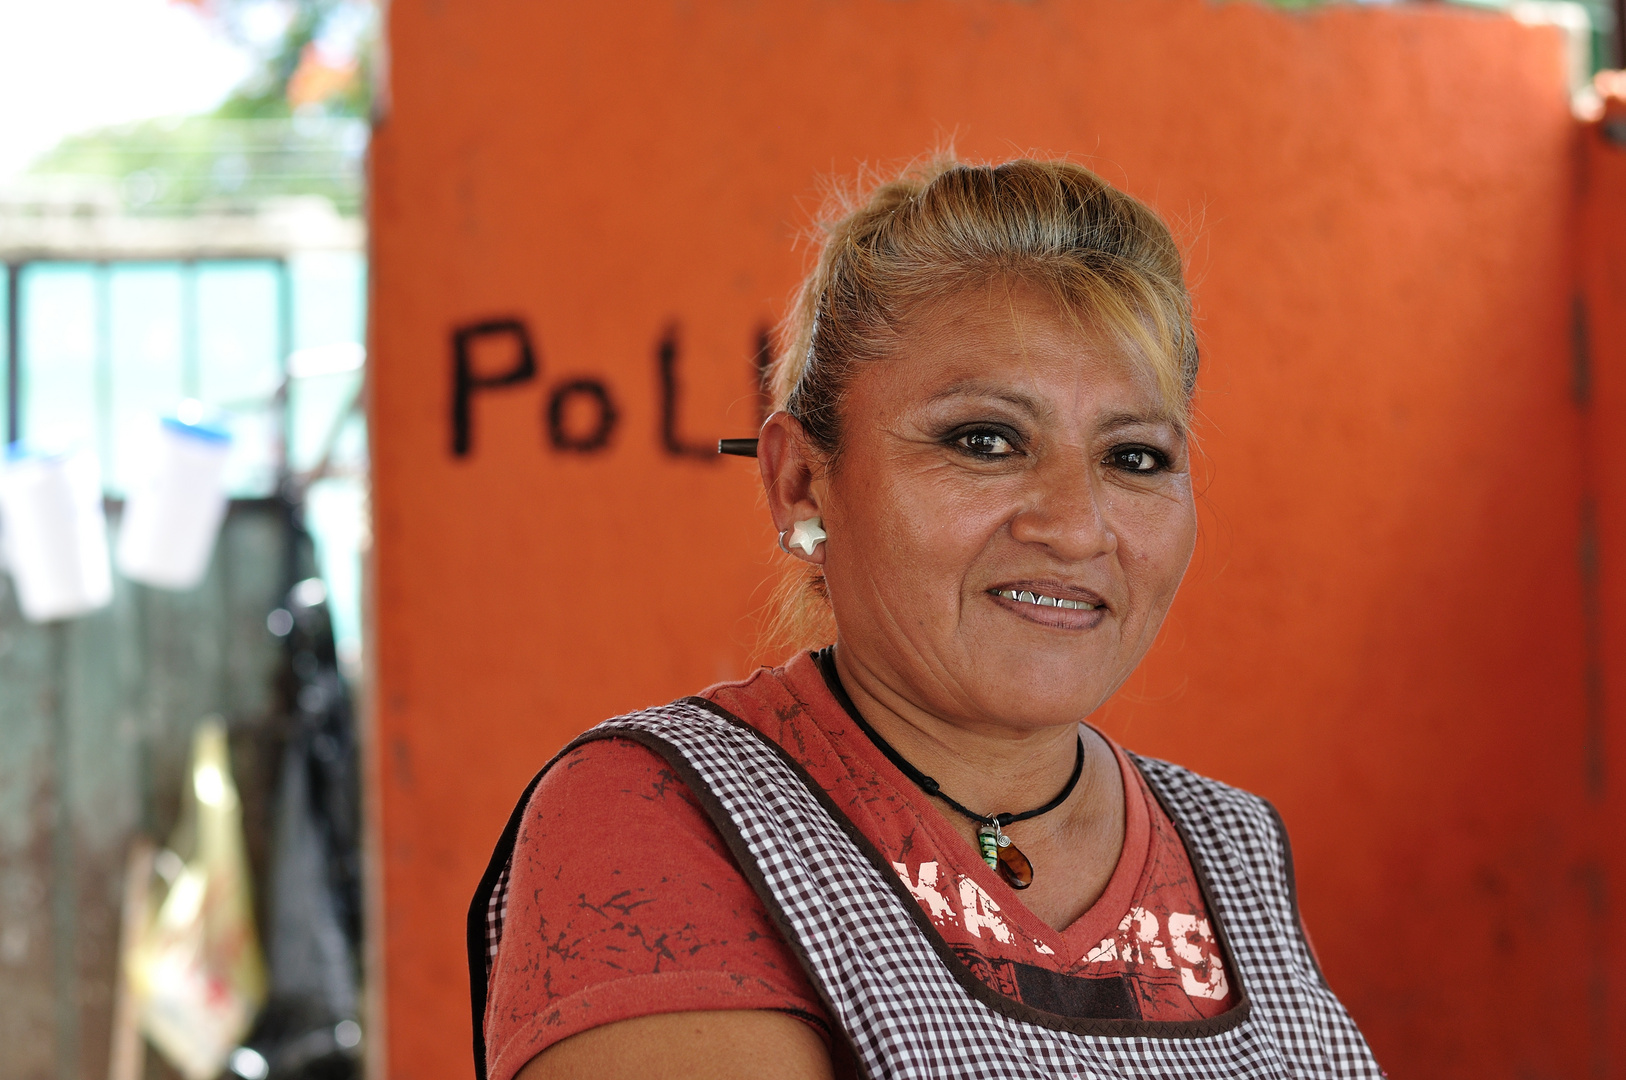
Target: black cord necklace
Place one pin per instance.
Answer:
(996, 848)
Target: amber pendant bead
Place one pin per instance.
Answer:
(1014, 866)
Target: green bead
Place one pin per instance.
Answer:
(988, 843)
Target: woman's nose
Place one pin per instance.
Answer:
(1065, 513)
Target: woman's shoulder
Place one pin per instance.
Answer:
(768, 702)
(1212, 814)
(1177, 783)
(626, 768)
(612, 787)
(622, 900)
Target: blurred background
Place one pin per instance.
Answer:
(183, 301)
(361, 368)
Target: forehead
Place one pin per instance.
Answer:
(1010, 342)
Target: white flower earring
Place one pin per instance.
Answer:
(807, 535)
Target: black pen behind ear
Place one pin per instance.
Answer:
(737, 447)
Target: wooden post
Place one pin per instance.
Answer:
(127, 1059)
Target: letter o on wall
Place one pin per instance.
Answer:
(597, 397)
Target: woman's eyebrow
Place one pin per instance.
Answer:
(1129, 419)
(1036, 407)
(974, 388)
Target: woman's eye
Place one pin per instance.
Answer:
(986, 444)
(1139, 459)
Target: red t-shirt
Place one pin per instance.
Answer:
(623, 900)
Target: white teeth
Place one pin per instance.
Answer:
(1024, 596)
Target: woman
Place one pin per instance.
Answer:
(907, 854)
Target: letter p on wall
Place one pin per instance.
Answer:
(491, 336)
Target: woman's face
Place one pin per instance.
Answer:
(1010, 515)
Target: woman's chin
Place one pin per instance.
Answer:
(1024, 691)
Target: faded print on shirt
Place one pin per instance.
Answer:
(1145, 950)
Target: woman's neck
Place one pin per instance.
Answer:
(987, 767)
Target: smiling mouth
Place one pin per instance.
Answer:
(1038, 599)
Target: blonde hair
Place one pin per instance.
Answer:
(1102, 256)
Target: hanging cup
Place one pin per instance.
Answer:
(54, 532)
(174, 508)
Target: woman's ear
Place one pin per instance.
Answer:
(789, 477)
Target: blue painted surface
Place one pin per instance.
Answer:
(109, 350)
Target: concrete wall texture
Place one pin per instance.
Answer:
(1407, 259)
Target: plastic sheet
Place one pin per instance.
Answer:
(196, 974)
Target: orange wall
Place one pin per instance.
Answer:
(1602, 299)
(1383, 631)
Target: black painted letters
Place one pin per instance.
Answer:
(465, 382)
(587, 442)
(580, 415)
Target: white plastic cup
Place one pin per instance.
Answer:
(173, 510)
(55, 533)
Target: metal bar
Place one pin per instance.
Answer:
(289, 493)
(191, 369)
(285, 348)
(1619, 35)
(14, 357)
(104, 370)
(64, 865)
(267, 256)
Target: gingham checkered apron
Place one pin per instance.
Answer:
(890, 988)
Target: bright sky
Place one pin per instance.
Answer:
(69, 65)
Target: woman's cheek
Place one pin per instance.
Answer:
(1155, 544)
(925, 515)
